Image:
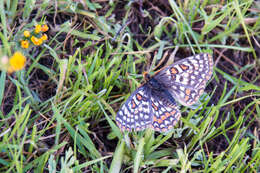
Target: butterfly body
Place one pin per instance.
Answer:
(153, 104)
(158, 88)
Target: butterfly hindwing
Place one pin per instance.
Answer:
(165, 113)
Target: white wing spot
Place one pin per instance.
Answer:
(168, 109)
(168, 73)
(182, 94)
(118, 119)
(186, 75)
(147, 122)
(162, 126)
(145, 110)
(194, 61)
(135, 100)
(177, 78)
(141, 92)
(198, 56)
(163, 109)
(185, 81)
(156, 103)
(179, 69)
(146, 117)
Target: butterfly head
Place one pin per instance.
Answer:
(146, 76)
(153, 83)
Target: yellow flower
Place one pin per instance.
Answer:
(45, 28)
(38, 29)
(26, 33)
(16, 62)
(36, 41)
(25, 44)
(44, 37)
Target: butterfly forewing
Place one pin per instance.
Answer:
(136, 112)
(186, 79)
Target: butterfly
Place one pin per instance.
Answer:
(153, 104)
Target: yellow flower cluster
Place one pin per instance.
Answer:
(37, 37)
(15, 63)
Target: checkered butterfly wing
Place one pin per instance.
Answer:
(186, 79)
(165, 112)
(136, 111)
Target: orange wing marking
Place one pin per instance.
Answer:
(187, 91)
(184, 67)
(174, 70)
(133, 104)
(139, 96)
